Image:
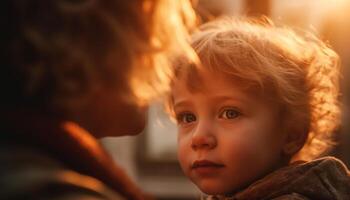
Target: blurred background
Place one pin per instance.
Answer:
(150, 158)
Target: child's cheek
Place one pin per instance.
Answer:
(251, 151)
(245, 141)
(239, 147)
(184, 151)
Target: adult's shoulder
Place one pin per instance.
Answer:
(27, 173)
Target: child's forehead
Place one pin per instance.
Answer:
(204, 79)
(215, 84)
(216, 89)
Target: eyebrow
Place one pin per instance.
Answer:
(182, 103)
(185, 103)
(228, 98)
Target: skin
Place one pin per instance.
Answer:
(222, 124)
(108, 113)
(112, 110)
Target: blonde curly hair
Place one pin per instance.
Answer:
(299, 71)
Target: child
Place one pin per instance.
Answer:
(262, 97)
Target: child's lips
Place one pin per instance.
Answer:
(206, 164)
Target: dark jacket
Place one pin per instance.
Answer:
(322, 179)
(39, 159)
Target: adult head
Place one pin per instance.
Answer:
(96, 62)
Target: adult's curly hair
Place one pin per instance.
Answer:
(56, 51)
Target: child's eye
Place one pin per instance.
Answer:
(185, 118)
(229, 114)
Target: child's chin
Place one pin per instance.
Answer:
(212, 188)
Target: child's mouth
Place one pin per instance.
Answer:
(206, 164)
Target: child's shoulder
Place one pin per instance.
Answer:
(324, 178)
(328, 164)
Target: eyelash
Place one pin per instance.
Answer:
(180, 117)
(235, 112)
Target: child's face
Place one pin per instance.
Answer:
(227, 138)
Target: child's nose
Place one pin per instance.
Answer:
(203, 138)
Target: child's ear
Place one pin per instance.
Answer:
(295, 140)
